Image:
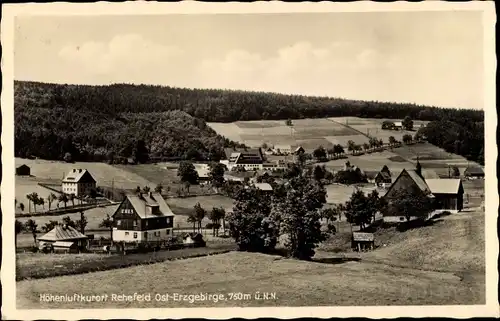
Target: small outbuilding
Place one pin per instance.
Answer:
(362, 241)
(64, 239)
(23, 170)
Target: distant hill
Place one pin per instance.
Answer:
(90, 122)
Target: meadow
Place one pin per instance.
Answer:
(104, 174)
(441, 264)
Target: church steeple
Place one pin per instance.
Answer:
(418, 168)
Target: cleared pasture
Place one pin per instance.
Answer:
(94, 217)
(28, 185)
(371, 162)
(294, 283)
(104, 174)
(339, 194)
(229, 130)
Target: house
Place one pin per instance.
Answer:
(474, 172)
(299, 150)
(142, 218)
(78, 182)
(275, 165)
(269, 151)
(370, 176)
(23, 170)
(448, 193)
(383, 179)
(398, 125)
(63, 238)
(203, 170)
(249, 159)
(283, 149)
(362, 241)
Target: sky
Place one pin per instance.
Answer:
(431, 58)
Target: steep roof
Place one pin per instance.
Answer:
(418, 179)
(384, 175)
(77, 175)
(62, 233)
(139, 202)
(23, 166)
(444, 185)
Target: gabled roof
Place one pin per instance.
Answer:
(140, 202)
(62, 233)
(241, 156)
(386, 169)
(419, 181)
(384, 175)
(444, 185)
(473, 170)
(77, 175)
(23, 166)
(361, 236)
(371, 174)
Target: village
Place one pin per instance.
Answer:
(143, 221)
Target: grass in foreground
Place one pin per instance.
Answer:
(38, 265)
(295, 283)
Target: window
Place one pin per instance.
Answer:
(118, 222)
(135, 223)
(168, 232)
(168, 220)
(401, 218)
(127, 233)
(135, 235)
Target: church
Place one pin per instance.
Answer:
(446, 193)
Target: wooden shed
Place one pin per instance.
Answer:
(362, 241)
(23, 170)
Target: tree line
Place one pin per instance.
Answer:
(142, 121)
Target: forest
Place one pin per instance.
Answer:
(150, 122)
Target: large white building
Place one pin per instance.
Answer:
(143, 218)
(249, 159)
(78, 182)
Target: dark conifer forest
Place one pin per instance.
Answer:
(143, 122)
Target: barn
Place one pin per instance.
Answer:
(23, 170)
(448, 193)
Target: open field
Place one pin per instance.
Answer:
(28, 185)
(164, 174)
(105, 175)
(39, 265)
(309, 133)
(337, 194)
(94, 217)
(373, 127)
(294, 283)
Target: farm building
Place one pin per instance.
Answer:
(23, 170)
(474, 172)
(249, 159)
(269, 151)
(299, 150)
(398, 125)
(63, 239)
(383, 179)
(78, 182)
(446, 194)
(362, 241)
(142, 218)
(203, 170)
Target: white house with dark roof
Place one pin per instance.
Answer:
(143, 218)
(78, 182)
